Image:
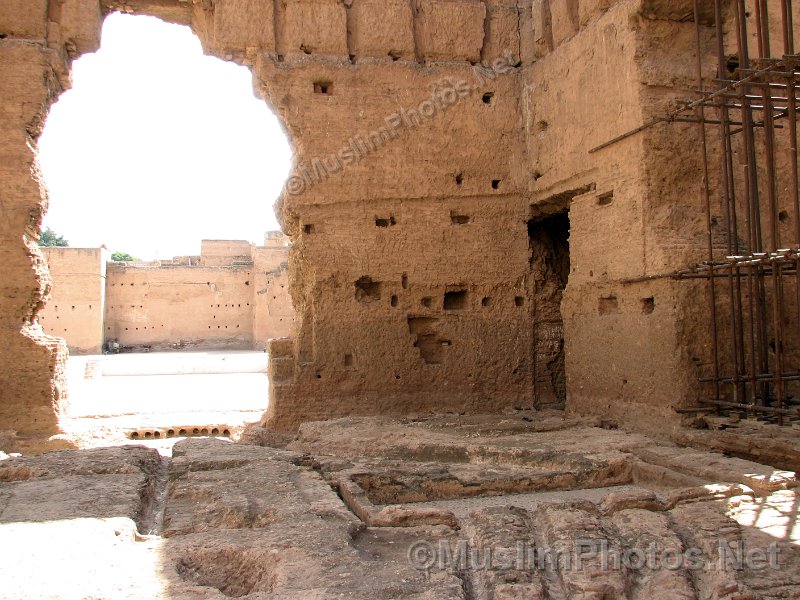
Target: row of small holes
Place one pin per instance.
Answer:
(495, 182)
(427, 301)
(135, 435)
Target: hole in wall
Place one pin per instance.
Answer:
(486, 302)
(605, 199)
(308, 228)
(648, 305)
(404, 281)
(458, 219)
(395, 55)
(394, 300)
(459, 179)
(367, 290)
(323, 87)
(495, 184)
(783, 216)
(348, 360)
(607, 304)
(426, 301)
(519, 301)
(388, 222)
(455, 300)
(426, 339)
(487, 97)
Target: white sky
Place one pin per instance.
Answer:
(157, 146)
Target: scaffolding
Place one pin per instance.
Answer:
(747, 128)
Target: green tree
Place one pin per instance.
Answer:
(122, 256)
(51, 238)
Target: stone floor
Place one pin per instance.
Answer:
(526, 505)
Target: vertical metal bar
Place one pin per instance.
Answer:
(769, 142)
(752, 199)
(786, 21)
(777, 308)
(762, 22)
(712, 286)
(794, 201)
(755, 331)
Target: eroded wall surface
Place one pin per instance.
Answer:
(430, 136)
(76, 308)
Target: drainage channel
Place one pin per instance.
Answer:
(152, 518)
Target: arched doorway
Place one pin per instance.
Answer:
(231, 183)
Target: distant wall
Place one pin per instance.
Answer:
(221, 253)
(234, 295)
(166, 307)
(77, 305)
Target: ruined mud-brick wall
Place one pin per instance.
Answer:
(33, 69)
(76, 308)
(462, 208)
(414, 269)
(634, 351)
(450, 189)
(214, 300)
(410, 263)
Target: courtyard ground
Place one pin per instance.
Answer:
(113, 396)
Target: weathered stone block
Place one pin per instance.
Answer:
(449, 30)
(81, 23)
(589, 9)
(280, 347)
(23, 18)
(26, 88)
(382, 28)
(564, 19)
(503, 34)
(240, 24)
(281, 369)
(542, 33)
(315, 27)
